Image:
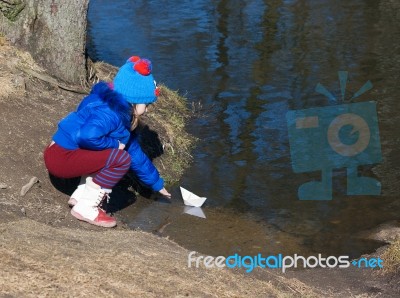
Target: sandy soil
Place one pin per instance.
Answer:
(45, 252)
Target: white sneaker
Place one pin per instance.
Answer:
(77, 194)
(87, 206)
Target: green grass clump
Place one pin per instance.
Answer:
(168, 117)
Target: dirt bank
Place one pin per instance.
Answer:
(45, 252)
(56, 262)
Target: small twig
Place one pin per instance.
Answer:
(162, 164)
(28, 186)
(168, 145)
(162, 227)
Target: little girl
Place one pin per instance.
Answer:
(96, 141)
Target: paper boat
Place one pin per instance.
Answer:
(195, 211)
(190, 199)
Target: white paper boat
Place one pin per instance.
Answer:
(195, 211)
(190, 199)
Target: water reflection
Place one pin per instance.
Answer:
(249, 62)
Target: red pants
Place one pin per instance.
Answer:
(108, 166)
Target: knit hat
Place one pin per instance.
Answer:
(135, 82)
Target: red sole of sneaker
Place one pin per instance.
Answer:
(100, 224)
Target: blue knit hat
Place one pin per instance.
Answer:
(135, 82)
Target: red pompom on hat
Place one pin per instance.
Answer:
(134, 59)
(135, 82)
(143, 66)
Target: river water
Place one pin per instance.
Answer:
(249, 63)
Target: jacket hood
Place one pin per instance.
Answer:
(115, 101)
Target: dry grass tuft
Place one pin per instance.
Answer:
(2, 40)
(25, 60)
(391, 258)
(11, 62)
(100, 71)
(7, 87)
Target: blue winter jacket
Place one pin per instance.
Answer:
(102, 119)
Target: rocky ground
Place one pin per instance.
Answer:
(45, 252)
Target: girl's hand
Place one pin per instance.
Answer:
(121, 146)
(165, 193)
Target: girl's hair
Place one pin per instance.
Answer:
(135, 118)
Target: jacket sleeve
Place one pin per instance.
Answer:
(142, 166)
(94, 133)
